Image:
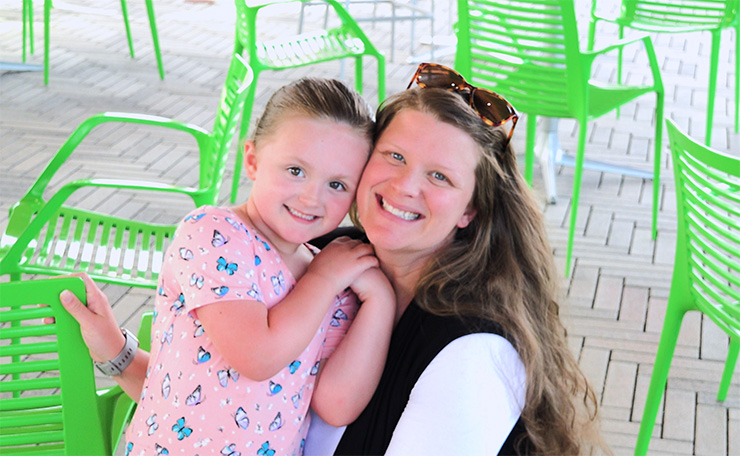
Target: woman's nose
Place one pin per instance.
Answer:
(406, 182)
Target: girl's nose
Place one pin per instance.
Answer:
(311, 194)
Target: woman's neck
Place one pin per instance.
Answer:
(404, 273)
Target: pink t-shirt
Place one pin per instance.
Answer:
(193, 402)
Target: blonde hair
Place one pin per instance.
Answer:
(317, 98)
(500, 269)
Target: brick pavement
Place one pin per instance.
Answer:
(612, 304)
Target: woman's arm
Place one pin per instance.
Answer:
(348, 378)
(466, 401)
(103, 336)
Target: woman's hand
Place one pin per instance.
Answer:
(97, 322)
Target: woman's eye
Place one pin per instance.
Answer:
(439, 176)
(335, 185)
(295, 171)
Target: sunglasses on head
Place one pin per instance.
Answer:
(490, 106)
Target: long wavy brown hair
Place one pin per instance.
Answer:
(500, 268)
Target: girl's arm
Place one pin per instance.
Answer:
(259, 342)
(103, 336)
(348, 378)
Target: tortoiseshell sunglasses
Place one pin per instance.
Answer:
(490, 106)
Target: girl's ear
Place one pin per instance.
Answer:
(467, 217)
(250, 160)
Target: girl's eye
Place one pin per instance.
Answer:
(295, 171)
(397, 156)
(336, 185)
(439, 176)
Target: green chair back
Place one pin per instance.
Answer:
(51, 237)
(48, 5)
(682, 16)
(706, 271)
(528, 51)
(296, 50)
(48, 401)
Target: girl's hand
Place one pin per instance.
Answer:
(373, 285)
(97, 322)
(343, 261)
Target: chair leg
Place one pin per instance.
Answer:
(591, 34)
(663, 358)
(659, 99)
(358, 74)
(577, 176)
(737, 73)
(155, 37)
(713, 64)
(529, 149)
(27, 28)
(47, 18)
(620, 55)
(243, 130)
(124, 13)
(732, 354)
(381, 78)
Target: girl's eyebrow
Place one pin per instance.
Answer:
(306, 165)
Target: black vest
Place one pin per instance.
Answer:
(416, 341)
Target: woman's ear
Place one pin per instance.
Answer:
(250, 160)
(467, 217)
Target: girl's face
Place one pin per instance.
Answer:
(304, 175)
(418, 184)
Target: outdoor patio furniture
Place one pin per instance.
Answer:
(50, 404)
(681, 16)
(48, 5)
(706, 271)
(291, 51)
(528, 52)
(49, 237)
(408, 10)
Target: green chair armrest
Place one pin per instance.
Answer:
(37, 189)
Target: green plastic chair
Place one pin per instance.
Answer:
(50, 238)
(681, 16)
(48, 5)
(706, 272)
(48, 400)
(528, 52)
(292, 51)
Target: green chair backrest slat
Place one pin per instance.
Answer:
(708, 245)
(677, 12)
(35, 390)
(526, 51)
(233, 96)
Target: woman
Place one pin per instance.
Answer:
(478, 362)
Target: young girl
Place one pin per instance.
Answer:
(246, 310)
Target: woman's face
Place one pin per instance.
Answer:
(417, 187)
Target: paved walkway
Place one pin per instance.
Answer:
(614, 301)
